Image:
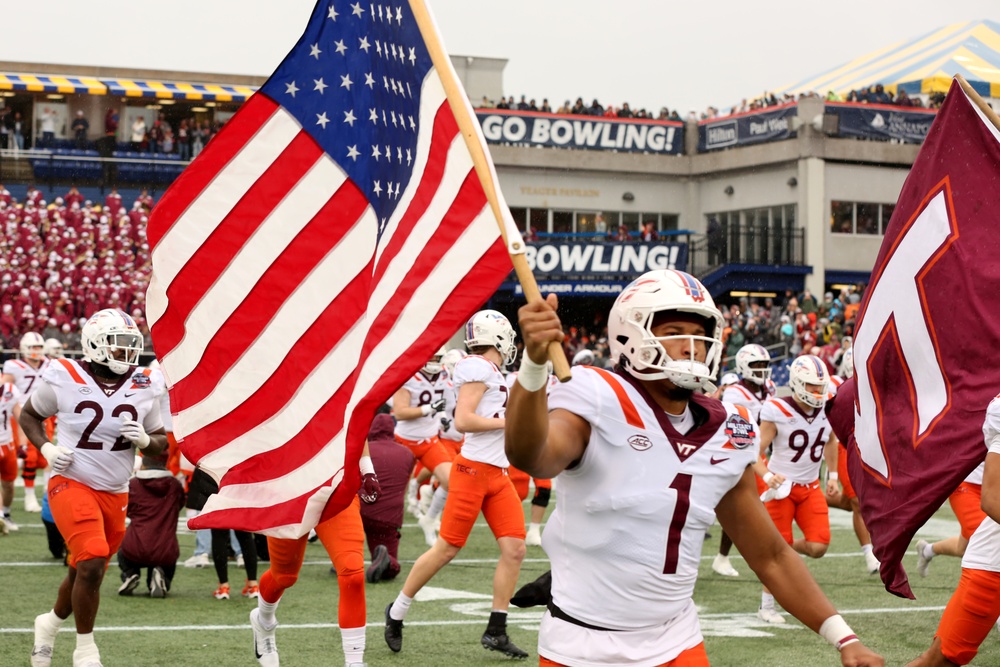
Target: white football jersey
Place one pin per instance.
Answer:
(797, 449)
(626, 536)
(485, 446)
(983, 552)
(26, 377)
(10, 397)
(160, 387)
(90, 415)
(737, 394)
(423, 391)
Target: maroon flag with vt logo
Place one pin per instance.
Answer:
(927, 344)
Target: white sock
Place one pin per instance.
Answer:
(52, 621)
(866, 549)
(437, 503)
(398, 610)
(266, 611)
(6, 510)
(85, 648)
(929, 551)
(766, 601)
(30, 490)
(411, 490)
(354, 644)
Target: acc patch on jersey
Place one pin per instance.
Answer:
(740, 431)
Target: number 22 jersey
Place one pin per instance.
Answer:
(626, 535)
(90, 416)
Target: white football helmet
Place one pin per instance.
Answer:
(745, 360)
(32, 346)
(809, 370)
(433, 365)
(106, 333)
(729, 379)
(450, 358)
(53, 348)
(846, 368)
(631, 338)
(491, 329)
(583, 358)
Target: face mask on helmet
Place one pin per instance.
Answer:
(488, 328)
(433, 365)
(753, 363)
(32, 346)
(808, 379)
(112, 339)
(652, 301)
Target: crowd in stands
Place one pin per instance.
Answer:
(186, 138)
(875, 94)
(61, 262)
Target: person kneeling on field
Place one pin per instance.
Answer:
(155, 498)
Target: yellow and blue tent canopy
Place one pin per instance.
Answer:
(925, 64)
(38, 83)
(171, 90)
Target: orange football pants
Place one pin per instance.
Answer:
(33, 460)
(692, 657)
(475, 487)
(806, 504)
(430, 452)
(520, 479)
(92, 522)
(966, 502)
(343, 536)
(967, 620)
(8, 462)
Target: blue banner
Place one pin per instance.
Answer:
(746, 129)
(581, 132)
(593, 260)
(882, 122)
(580, 288)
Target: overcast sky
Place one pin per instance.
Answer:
(652, 53)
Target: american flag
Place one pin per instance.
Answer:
(325, 243)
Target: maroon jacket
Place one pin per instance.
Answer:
(154, 500)
(393, 464)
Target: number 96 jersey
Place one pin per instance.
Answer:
(797, 449)
(90, 416)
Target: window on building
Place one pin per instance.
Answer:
(562, 222)
(842, 217)
(539, 219)
(520, 216)
(866, 218)
(887, 210)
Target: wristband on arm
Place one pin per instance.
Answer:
(532, 376)
(365, 464)
(836, 631)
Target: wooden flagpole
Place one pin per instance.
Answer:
(979, 101)
(468, 126)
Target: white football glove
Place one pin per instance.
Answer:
(59, 457)
(133, 431)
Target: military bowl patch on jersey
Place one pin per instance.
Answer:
(740, 431)
(141, 381)
(7, 395)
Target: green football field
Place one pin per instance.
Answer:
(192, 629)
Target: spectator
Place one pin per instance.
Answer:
(716, 242)
(154, 500)
(111, 122)
(80, 128)
(546, 107)
(4, 129)
(16, 128)
(384, 518)
(156, 136)
(48, 123)
(648, 233)
(138, 134)
(184, 140)
(807, 302)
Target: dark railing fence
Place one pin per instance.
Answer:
(748, 243)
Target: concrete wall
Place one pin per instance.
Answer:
(481, 77)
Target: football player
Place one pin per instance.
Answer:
(479, 484)
(800, 437)
(10, 409)
(106, 410)
(24, 373)
(645, 464)
(417, 406)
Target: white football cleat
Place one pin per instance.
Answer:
(426, 495)
(872, 562)
(770, 616)
(721, 565)
(239, 561)
(45, 637)
(11, 526)
(31, 504)
(534, 537)
(264, 645)
(427, 525)
(923, 562)
(4, 527)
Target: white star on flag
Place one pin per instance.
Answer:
(291, 89)
(349, 117)
(320, 86)
(321, 119)
(378, 188)
(352, 152)
(345, 81)
(369, 80)
(341, 48)
(376, 153)
(315, 51)
(364, 46)
(333, 13)
(356, 10)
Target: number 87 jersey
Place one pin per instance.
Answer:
(797, 449)
(90, 417)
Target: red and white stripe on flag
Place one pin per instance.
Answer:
(282, 318)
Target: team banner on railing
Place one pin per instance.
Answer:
(746, 129)
(581, 132)
(883, 122)
(578, 288)
(603, 259)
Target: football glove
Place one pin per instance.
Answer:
(134, 432)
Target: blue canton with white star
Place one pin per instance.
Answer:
(353, 82)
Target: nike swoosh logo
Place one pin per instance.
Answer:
(130, 395)
(714, 461)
